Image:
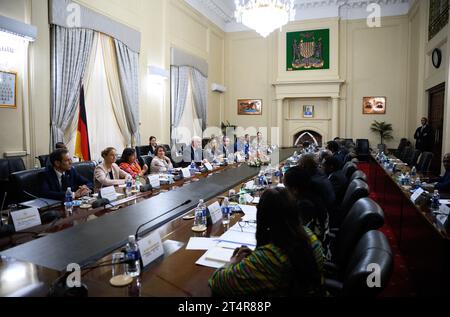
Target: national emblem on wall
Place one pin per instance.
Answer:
(308, 50)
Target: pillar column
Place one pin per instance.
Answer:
(334, 117)
(280, 121)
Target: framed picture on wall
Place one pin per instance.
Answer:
(249, 106)
(308, 50)
(374, 105)
(8, 89)
(308, 111)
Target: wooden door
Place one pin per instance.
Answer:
(436, 121)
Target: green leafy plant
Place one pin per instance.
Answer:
(383, 129)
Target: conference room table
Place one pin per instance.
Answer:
(88, 237)
(424, 241)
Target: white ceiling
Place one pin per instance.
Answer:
(221, 12)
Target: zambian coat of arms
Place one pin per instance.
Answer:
(308, 50)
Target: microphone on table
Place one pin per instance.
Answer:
(101, 202)
(165, 213)
(47, 216)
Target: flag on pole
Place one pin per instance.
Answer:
(82, 150)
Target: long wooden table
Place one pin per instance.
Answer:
(175, 275)
(423, 241)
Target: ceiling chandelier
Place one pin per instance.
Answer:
(264, 16)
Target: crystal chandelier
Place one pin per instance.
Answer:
(264, 16)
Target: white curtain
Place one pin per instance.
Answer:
(104, 130)
(190, 123)
(112, 76)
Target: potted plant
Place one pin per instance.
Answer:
(384, 130)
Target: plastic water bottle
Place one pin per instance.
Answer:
(129, 185)
(225, 212)
(416, 184)
(192, 168)
(413, 172)
(200, 216)
(138, 183)
(133, 256)
(435, 200)
(68, 201)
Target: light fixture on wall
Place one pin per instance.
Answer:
(264, 16)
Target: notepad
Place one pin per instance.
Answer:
(197, 243)
(219, 254)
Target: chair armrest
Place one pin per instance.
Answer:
(333, 287)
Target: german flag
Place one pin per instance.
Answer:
(82, 150)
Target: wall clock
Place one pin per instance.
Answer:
(436, 57)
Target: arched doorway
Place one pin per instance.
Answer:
(308, 136)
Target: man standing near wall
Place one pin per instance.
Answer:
(424, 137)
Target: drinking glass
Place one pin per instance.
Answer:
(118, 267)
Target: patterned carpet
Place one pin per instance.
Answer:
(400, 284)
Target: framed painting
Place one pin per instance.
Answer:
(308, 111)
(308, 50)
(249, 106)
(374, 105)
(8, 89)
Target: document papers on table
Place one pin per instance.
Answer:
(220, 252)
(201, 243)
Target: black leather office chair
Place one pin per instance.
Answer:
(412, 159)
(362, 149)
(44, 160)
(29, 181)
(142, 150)
(365, 215)
(356, 190)
(7, 167)
(348, 169)
(145, 159)
(425, 162)
(406, 154)
(359, 175)
(372, 249)
(85, 169)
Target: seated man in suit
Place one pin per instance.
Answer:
(443, 182)
(320, 184)
(227, 149)
(61, 175)
(193, 152)
(334, 148)
(331, 167)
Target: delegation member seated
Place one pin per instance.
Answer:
(194, 152)
(335, 149)
(160, 163)
(130, 165)
(227, 149)
(331, 167)
(152, 143)
(61, 175)
(212, 152)
(443, 182)
(311, 207)
(320, 184)
(108, 173)
(288, 259)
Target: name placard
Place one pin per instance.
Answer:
(416, 194)
(150, 248)
(186, 172)
(239, 158)
(208, 166)
(108, 193)
(26, 218)
(215, 212)
(154, 181)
